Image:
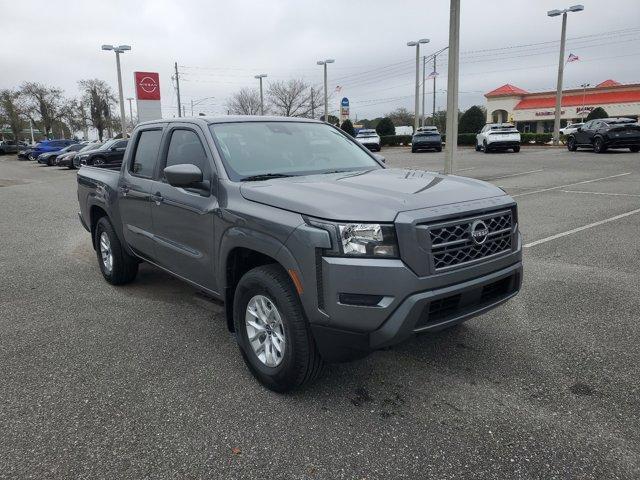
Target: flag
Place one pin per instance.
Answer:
(338, 88)
(433, 74)
(572, 58)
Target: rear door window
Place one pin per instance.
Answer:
(146, 154)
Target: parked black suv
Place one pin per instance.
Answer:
(605, 133)
(110, 154)
(426, 140)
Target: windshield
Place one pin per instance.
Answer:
(287, 148)
(108, 144)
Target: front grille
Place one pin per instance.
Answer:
(452, 244)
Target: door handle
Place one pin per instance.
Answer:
(124, 189)
(158, 198)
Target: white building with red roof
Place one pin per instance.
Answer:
(534, 112)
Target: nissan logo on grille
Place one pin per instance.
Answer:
(479, 232)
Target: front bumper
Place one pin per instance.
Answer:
(409, 304)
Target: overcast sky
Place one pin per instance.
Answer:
(221, 45)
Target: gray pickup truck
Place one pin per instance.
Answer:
(319, 252)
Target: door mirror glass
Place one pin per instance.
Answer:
(380, 158)
(183, 175)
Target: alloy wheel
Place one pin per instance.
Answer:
(105, 253)
(265, 330)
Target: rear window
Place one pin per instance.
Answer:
(146, 154)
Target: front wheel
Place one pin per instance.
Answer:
(598, 145)
(116, 265)
(98, 162)
(635, 148)
(272, 331)
(438, 149)
(571, 144)
(516, 149)
(478, 147)
(485, 147)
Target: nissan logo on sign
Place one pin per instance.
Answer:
(147, 85)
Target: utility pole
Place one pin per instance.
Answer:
(109, 132)
(131, 111)
(178, 88)
(424, 66)
(416, 110)
(184, 107)
(433, 117)
(451, 145)
(563, 38)
(313, 104)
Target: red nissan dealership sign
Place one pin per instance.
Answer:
(147, 85)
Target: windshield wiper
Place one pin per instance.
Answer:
(265, 176)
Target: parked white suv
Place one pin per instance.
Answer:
(369, 138)
(571, 128)
(498, 136)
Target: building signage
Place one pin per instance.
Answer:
(147, 95)
(584, 109)
(547, 113)
(344, 109)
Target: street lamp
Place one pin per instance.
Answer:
(563, 36)
(584, 94)
(417, 105)
(260, 77)
(119, 49)
(326, 95)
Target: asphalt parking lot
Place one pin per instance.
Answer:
(144, 381)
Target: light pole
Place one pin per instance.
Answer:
(260, 77)
(451, 144)
(130, 99)
(119, 49)
(196, 102)
(584, 94)
(326, 95)
(416, 115)
(563, 36)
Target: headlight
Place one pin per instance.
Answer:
(361, 239)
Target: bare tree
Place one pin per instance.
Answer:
(72, 114)
(400, 117)
(291, 98)
(98, 96)
(245, 102)
(11, 111)
(42, 101)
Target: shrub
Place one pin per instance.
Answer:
(597, 112)
(394, 140)
(472, 120)
(385, 127)
(347, 127)
(537, 138)
(463, 138)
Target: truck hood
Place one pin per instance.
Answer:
(370, 196)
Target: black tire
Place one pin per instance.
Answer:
(598, 145)
(478, 147)
(485, 147)
(516, 149)
(413, 150)
(438, 149)
(571, 144)
(635, 149)
(124, 267)
(300, 363)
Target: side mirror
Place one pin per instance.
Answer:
(380, 158)
(183, 175)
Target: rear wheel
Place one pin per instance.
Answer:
(635, 149)
(516, 149)
(116, 265)
(598, 145)
(485, 147)
(272, 331)
(413, 150)
(438, 149)
(571, 144)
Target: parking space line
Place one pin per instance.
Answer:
(579, 229)
(603, 193)
(513, 175)
(570, 184)
(464, 169)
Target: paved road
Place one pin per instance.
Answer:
(144, 381)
